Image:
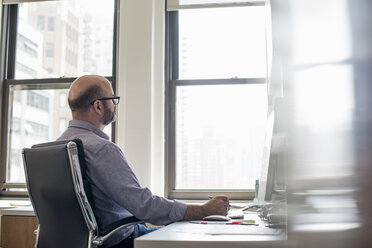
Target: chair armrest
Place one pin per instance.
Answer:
(129, 220)
(114, 227)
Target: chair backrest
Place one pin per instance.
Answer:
(57, 194)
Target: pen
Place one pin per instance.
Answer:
(198, 222)
(224, 223)
(208, 222)
(250, 224)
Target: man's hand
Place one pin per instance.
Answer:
(216, 205)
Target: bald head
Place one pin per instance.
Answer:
(86, 89)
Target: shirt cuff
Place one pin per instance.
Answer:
(178, 211)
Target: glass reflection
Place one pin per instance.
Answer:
(325, 113)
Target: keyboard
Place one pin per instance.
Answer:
(236, 215)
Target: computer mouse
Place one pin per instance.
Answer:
(216, 217)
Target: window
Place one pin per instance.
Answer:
(50, 23)
(40, 22)
(17, 172)
(49, 50)
(217, 99)
(23, 69)
(40, 68)
(37, 130)
(37, 100)
(28, 46)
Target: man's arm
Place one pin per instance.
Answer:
(217, 205)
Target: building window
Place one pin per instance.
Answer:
(218, 99)
(36, 86)
(37, 100)
(71, 57)
(40, 22)
(28, 46)
(49, 50)
(50, 23)
(37, 130)
(25, 70)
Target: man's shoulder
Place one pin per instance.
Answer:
(90, 141)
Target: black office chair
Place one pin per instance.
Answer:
(60, 195)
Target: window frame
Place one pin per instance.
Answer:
(172, 81)
(7, 72)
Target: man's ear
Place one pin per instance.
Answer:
(98, 107)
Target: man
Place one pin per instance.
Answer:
(115, 189)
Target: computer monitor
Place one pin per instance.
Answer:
(266, 181)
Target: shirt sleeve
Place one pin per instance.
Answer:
(112, 174)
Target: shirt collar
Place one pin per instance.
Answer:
(88, 126)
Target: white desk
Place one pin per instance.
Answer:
(18, 211)
(189, 235)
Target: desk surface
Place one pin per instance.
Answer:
(185, 234)
(16, 207)
(189, 235)
(18, 211)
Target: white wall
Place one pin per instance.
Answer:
(140, 125)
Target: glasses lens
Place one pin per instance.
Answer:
(116, 101)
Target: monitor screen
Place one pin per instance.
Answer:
(267, 174)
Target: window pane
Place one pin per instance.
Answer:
(49, 50)
(64, 39)
(40, 22)
(220, 132)
(35, 118)
(222, 43)
(50, 23)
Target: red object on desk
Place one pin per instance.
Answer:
(234, 223)
(228, 223)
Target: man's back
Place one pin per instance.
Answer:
(115, 189)
(95, 142)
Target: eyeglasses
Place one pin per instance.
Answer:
(115, 99)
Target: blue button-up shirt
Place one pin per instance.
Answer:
(115, 189)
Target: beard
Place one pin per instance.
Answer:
(108, 116)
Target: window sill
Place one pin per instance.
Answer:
(13, 203)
